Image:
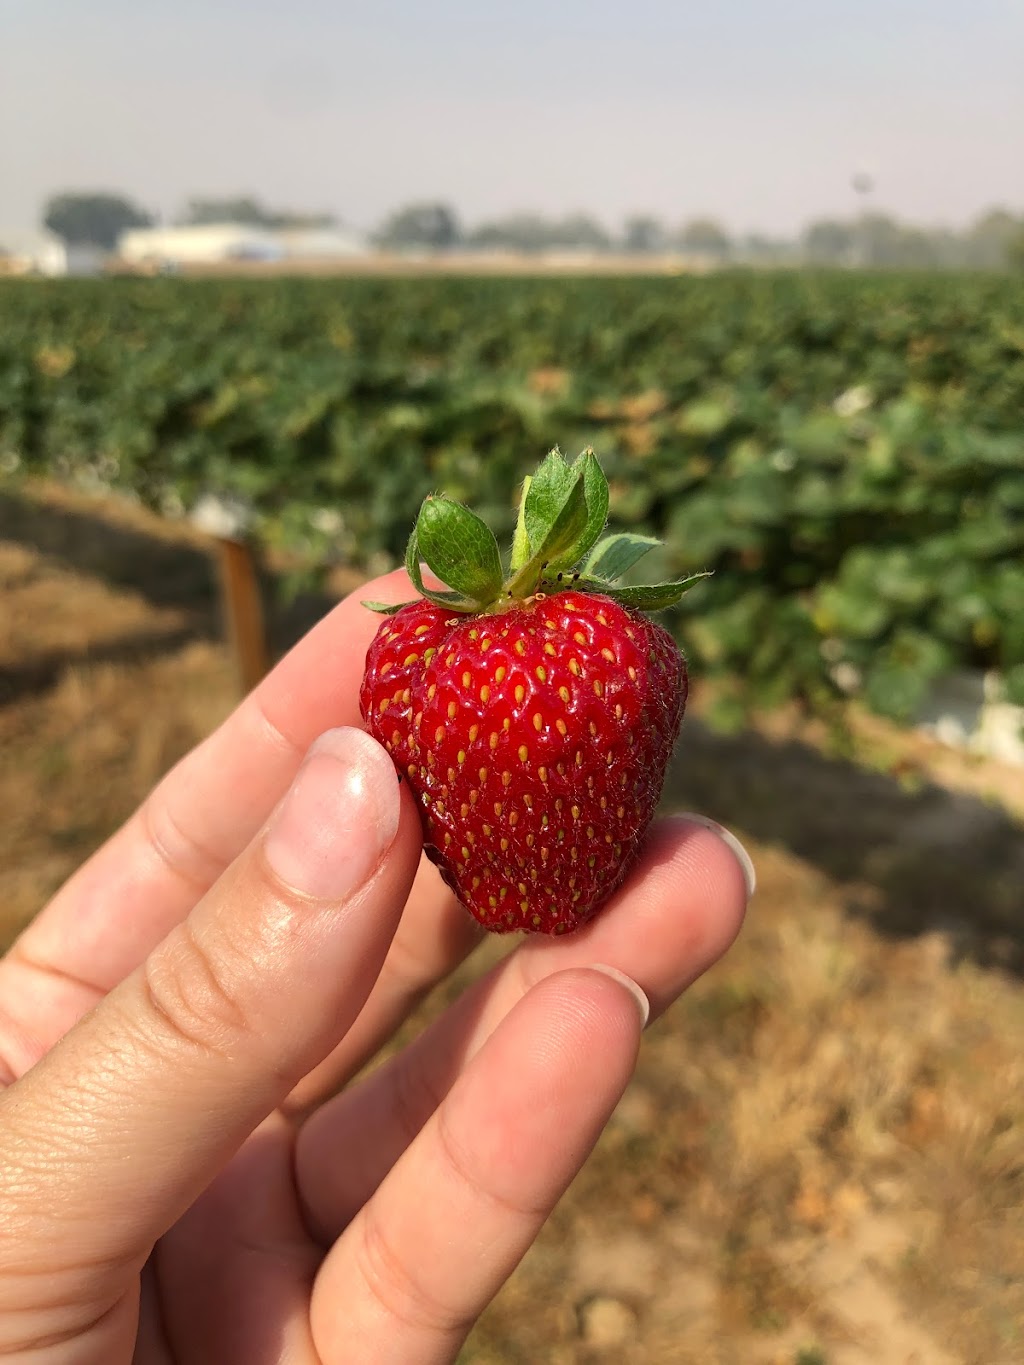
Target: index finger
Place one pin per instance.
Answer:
(192, 826)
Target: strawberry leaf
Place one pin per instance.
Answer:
(455, 601)
(566, 530)
(646, 596)
(612, 556)
(546, 496)
(521, 540)
(562, 535)
(595, 490)
(385, 608)
(460, 549)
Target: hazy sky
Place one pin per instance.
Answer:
(756, 111)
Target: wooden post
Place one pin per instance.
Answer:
(243, 611)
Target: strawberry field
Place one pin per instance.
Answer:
(845, 452)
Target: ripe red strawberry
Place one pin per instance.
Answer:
(534, 718)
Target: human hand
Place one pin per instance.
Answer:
(184, 1177)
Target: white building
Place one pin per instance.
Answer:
(210, 244)
(200, 245)
(44, 253)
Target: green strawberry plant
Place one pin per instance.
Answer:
(845, 452)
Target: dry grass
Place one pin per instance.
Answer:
(501, 263)
(821, 1158)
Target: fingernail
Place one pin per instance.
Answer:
(726, 835)
(338, 819)
(642, 1003)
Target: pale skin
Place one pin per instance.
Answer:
(185, 1177)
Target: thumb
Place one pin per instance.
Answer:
(107, 1140)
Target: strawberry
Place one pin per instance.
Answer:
(533, 716)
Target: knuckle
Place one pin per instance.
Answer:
(457, 1157)
(395, 1287)
(270, 732)
(177, 847)
(194, 994)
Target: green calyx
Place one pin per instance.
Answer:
(558, 543)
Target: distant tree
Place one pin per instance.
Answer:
(882, 241)
(643, 234)
(877, 240)
(529, 232)
(1015, 250)
(237, 209)
(251, 213)
(286, 219)
(828, 242)
(705, 236)
(94, 219)
(990, 240)
(525, 232)
(580, 233)
(949, 250)
(757, 249)
(430, 226)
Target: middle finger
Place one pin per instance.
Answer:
(676, 914)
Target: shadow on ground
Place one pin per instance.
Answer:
(46, 669)
(167, 572)
(911, 861)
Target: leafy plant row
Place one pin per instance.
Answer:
(846, 453)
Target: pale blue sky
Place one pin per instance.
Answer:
(755, 112)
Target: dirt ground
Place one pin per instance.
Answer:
(821, 1159)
